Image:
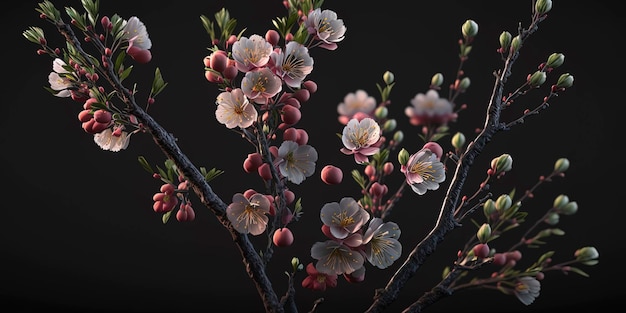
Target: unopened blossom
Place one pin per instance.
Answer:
(317, 280)
(293, 64)
(355, 102)
(359, 138)
(382, 247)
(326, 27)
(336, 258)
(136, 34)
(234, 109)
(260, 85)
(57, 79)
(296, 162)
(112, 141)
(344, 217)
(251, 53)
(249, 216)
(428, 109)
(527, 289)
(423, 171)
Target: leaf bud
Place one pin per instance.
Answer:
(516, 43)
(469, 29)
(381, 112)
(565, 81)
(436, 80)
(587, 254)
(505, 40)
(403, 156)
(388, 78)
(503, 203)
(555, 60)
(543, 6)
(561, 165)
(458, 140)
(560, 201)
(503, 163)
(484, 233)
(398, 136)
(537, 78)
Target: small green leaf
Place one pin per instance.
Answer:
(144, 163)
(166, 217)
(578, 271)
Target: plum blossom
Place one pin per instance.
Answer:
(136, 34)
(317, 280)
(359, 138)
(344, 218)
(382, 247)
(423, 171)
(234, 109)
(336, 258)
(296, 162)
(260, 85)
(249, 216)
(292, 65)
(112, 141)
(355, 103)
(326, 27)
(251, 53)
(527, 289)
(429, 109)
(57, 79)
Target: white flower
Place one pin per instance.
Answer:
(251, 53)
(296, 162)
(356, 102)
(429, 108)
(136, 34)
(294, 64)
(108, 141)
(234, 109)
(358, 138)
(59, 83)
(381, 243)
(260, 85)
(527, 289)
(423, 171)
(335, 258)
(249, 216)
(344, 218)
(326, 27)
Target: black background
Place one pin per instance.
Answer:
(78, 232)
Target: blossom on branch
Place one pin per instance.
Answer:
(251, 53)
(296, 162)
(429, 109)
(357, 105)
(382, 247)
(261, 84)
(326, 27)
(423, 171)
(527, 289)
(293, 64)
(317, 280)
(112, 140)
(57, 79)
(234, 109)
(359, 138)
(249, 216)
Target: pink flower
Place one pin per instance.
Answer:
(359, 138)
(318, 281)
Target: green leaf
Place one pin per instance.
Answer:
(579, 271)
(358, 178)
(144, 163)
(158, 84)
(166, 217)
(210, 175)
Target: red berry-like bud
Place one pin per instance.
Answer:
(272, 37)
(481, 250)
(303, 137)
(310, 85)
(283, 237)
(142, 56)
(290, 115)
(331, 175)
(218, 60)
(290, 134)
(264, 171)
(84, 116)
(252, 162)
(102, 116)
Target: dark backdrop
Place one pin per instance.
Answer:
(78, 232)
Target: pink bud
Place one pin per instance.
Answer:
(303, 137)
(272, 37)
(142, 56)
(331, 175)
(310, 85)
(102, 116)
(435, 148)
(290, 134)
(218, 60)
(481, 250)
(265, 171)
(252, 162)
(290, 115)
(282, 237)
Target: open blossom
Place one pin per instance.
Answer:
(112, 141)
(423, 171)
(59, 82)
(354, 103)
(429, 109)
(296, 162)
(326, 27)
(249, 216)
(260, 85)
(293, 64)
(136, 34)
(336, 258)
(317, 280)
(527, 289)
(382, 247)
(251, 53)
(344, 218)
(359, 138)
(234, 109)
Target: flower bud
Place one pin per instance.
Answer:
(586, 254)
(560, 201)
(503, 203)
(537, 78)
(489, 207)
(464, 84)
(469, 29)
(569, 209)
(388, 77)
(555, 60)
(381, 112)
(505, 40)
(403, 156)
(516, 43)
(565, 81)
(484, 232)
(561, 165)
(436, 80)
(458, 140)
(543, 6)
(390, 125)
(398, 136)
(503, 163)
(552, 219)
